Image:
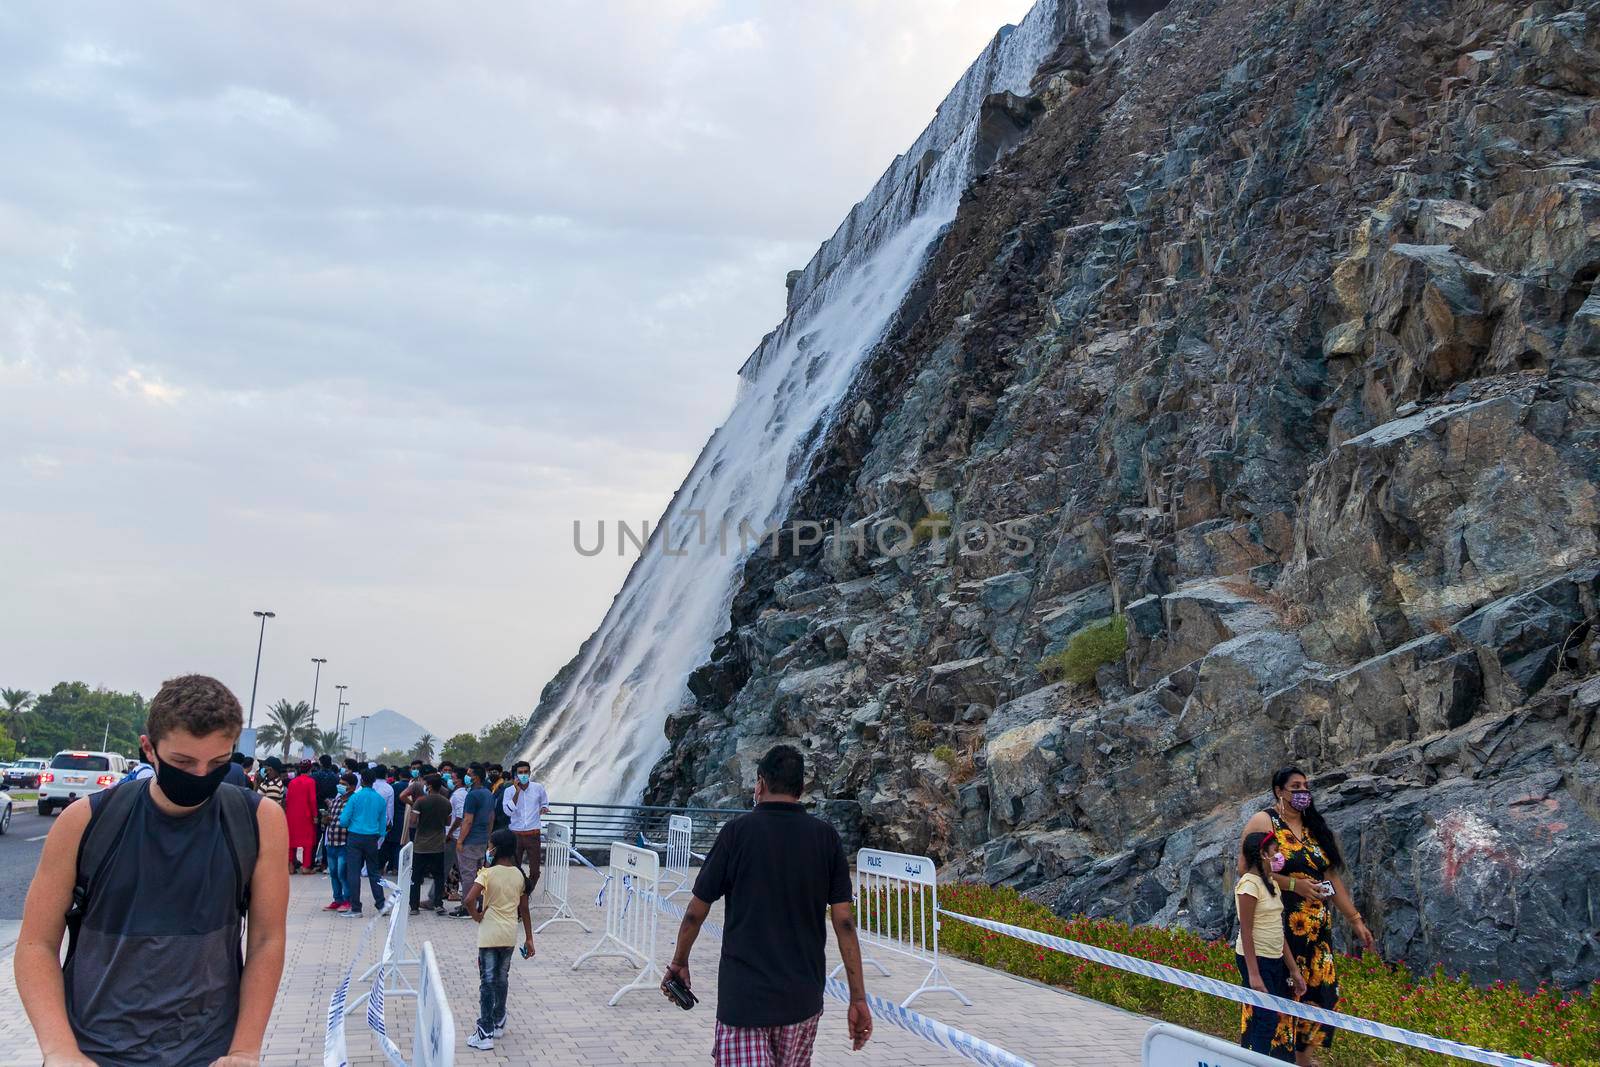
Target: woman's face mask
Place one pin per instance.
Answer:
(1300, 799)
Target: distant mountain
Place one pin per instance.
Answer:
(386, 730)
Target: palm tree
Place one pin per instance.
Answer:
(291, 721)
(324, 742)
(423, 749)
(17, 701)
(268, 737)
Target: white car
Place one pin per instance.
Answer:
(75, 774)
(5, 812)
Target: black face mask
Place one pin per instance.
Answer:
(184, 789)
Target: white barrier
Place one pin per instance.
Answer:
(1166, 1045)
(630, 916)
(680, 829)
(897, 910)
(396, 953)
(556, 868)
(333, 1044)
(434, 1043)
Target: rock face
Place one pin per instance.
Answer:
(1274, 330)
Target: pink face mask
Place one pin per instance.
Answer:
(1276, 861)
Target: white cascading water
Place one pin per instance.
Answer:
(597, 738)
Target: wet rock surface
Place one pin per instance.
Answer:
(1271, 328)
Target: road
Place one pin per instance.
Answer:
(19, 855)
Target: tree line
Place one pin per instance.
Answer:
(73, 715)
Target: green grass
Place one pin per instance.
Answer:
(1561, 1028)
(1098, 643)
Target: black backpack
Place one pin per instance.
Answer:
(109, 811)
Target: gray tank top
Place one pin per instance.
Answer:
(154, 978)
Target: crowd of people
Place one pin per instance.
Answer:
(351, 820)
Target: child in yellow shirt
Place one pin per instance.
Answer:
(497, 900)
(1265, 962)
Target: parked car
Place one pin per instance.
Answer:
(75, 774)
(5, 811)
(23, 774)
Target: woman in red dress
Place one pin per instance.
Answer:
(300, 805)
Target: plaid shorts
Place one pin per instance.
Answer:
(765, 1046)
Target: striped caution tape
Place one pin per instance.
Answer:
(677, 912)
(333, 1044)
(1245, 995)
(931, 1030)
(376, 1024)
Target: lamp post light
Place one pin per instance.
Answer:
(315, 681)
(263, 616)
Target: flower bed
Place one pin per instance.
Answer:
(1545, 1024)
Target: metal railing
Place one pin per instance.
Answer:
(595, 826)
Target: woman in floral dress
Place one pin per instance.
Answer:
(1311, 881)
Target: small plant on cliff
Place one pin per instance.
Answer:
(945, 755)
(934, 524)
(924, 731)
(1099, 642)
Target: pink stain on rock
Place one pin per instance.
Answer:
(1473, 847)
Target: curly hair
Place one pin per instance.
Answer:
(195, 703)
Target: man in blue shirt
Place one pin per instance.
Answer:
(477, 815)
(366, 817)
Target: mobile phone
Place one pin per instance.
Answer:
(525, 953)
(1325, 889)
(681, 995)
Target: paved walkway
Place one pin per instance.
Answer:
(559, 1016)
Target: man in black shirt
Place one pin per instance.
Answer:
(780, 870)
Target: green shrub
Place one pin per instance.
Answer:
(1546, 1024)
(924, 731)
(1097, 643)
(933, 524)
(945, 755)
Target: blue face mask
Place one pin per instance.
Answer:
(449, 780)
(522, 779)
(415, 772)
(466, 780)
(342, 789)
(488, 856)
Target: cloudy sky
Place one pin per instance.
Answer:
(347, 311)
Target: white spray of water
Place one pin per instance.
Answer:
(597, 738)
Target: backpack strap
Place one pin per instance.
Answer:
(243, 835)
(109, 811)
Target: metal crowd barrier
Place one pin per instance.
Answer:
(595, 826)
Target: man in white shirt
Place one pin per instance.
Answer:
(525, 802)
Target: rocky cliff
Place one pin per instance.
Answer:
(1269, 334)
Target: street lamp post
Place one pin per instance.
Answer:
(338, 719)
(263, 616)
(315, 681)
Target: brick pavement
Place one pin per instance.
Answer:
(560, 1016)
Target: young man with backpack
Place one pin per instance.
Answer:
(154, 881)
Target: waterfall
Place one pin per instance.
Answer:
(596, 735)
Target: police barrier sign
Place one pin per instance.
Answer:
(434, 1044)
(1166, 1045)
